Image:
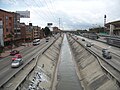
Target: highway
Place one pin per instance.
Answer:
(28, 53)
(79, 64)
(92, 65)
(113, 49)
(97, 48)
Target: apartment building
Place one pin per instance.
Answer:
(23, 31)
(42, 35)
(26, 32)
(7, 23)
(17, 31)
(36, 32)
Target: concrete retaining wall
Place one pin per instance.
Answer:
(41, 78)
(47, 63)
(91, 76)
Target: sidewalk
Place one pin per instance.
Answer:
(7, 52)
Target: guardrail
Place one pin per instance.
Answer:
(110, 51)
(116, 77)
(24, 65)
(111, 40)
(13, 75)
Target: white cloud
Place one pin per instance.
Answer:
(73, 13)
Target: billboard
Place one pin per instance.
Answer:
(49, 24)
(24, 14)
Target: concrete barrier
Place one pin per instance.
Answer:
(90, 72)
(43, 75)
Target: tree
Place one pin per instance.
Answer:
(47, 31)
(11, 37)
(1, 49)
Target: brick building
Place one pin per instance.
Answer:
(17, 31)
(12, 32)
(36, 32)
(29, 33)
(7, 19)
(23, 31)
(42, 35)
(26, 32)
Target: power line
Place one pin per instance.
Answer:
(50, 11)
(48, 14)
(34, 11)
(53, 7)
(45, 14)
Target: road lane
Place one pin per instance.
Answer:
(10, 71)
(116, 50)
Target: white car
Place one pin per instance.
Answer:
(16, 63)
(36, 42)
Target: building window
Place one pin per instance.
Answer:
(10, 24)
(10, 18)
(6, 29)
(1, 26)
(6, 23)
(6, 17)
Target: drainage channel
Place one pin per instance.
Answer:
(68, 79)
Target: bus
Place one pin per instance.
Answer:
(36, 42)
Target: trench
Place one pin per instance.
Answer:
(67, 76)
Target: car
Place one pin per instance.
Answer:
(83, 39)
(12, 53)
(17, 56)
(36, 42)
(16, 63)
(103, 50)
(106, 54)
(47, 39)
(88, 44)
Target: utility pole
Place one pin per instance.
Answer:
(104, 22)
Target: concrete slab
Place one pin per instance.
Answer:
(109, 85)
(45, 67)
(91, 75)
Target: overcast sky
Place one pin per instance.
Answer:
(72, 14)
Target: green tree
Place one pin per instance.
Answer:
(11, 37)
(47, 31)
(1, 49)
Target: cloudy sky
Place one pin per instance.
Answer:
(72, 14)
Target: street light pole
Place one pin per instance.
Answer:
(104, 22)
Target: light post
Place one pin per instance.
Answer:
(104, 22)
